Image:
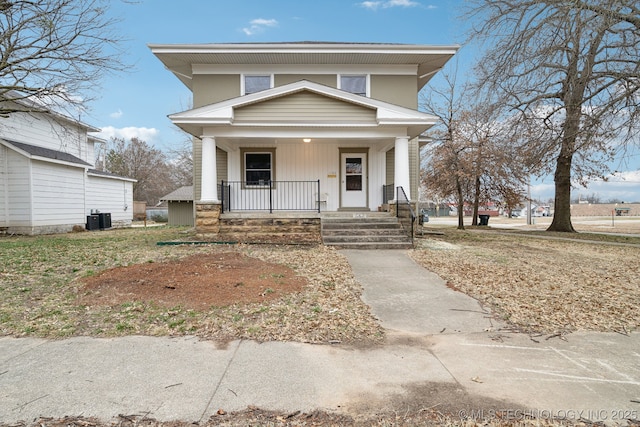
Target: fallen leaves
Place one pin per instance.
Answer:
(547, 286)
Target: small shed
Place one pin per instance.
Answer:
(180, 204)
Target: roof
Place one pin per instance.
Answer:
(105, 174)
(222, 113)
(33, 103)
(41, 153)
(180, 58)
(182, 194)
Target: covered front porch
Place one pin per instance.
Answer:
(304, 174)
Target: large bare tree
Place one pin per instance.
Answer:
(54, 52)
(571, 69)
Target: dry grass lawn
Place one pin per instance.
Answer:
(541, 285)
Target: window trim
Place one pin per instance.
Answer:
(243, 165)
(367, 79)
(245, 75)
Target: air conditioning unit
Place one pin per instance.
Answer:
(104, 220)
(93, 222)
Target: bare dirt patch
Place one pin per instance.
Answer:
(196, 282)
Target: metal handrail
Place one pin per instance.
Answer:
(270, 196)
(403, 205)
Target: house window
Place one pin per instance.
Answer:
(356, 84)
(253, 84)
(258, 166)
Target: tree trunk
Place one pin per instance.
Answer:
(460, 205)
(562, 208)
(476, 202)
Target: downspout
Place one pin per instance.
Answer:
(5, 188)
(30, 177)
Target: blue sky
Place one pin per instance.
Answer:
(137, 101)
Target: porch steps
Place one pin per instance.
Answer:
(364, 231)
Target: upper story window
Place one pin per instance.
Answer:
(356, 84)
(256, 83)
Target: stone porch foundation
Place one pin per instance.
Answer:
(256, 227)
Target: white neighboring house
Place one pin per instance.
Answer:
(48, 180)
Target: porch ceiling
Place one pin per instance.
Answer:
(233, 143)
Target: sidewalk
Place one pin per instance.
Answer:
(443, 352)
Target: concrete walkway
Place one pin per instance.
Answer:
(443, 352)
(407, 298)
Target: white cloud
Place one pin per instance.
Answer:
(621, 186)
(375, 5)
(145, 134)
(403, 3)
(259, 25)
(116, 114)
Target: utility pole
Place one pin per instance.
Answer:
(529, 201)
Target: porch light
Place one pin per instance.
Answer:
(306, 140)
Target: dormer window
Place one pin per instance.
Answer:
(256, 83)
(356, 84)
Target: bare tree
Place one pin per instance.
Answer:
(472, 156)
(570, 69)
(497, 170)
(54, 52)
(148, 165)
(446, 172)
(180, 161)
(627, 11)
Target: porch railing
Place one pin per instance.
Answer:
(270, 196)
(405, 213)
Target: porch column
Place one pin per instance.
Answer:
(401, 165)
(208, 171)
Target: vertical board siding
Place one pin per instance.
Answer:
(318, 160)
(181, 213)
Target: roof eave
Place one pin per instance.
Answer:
(182, 67)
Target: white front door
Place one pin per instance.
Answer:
(354, 180)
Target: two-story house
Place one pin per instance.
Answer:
(48, 180)
(302, 127)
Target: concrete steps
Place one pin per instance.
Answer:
(364, 231)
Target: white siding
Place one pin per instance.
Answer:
(37, 129)
(319, 160)
(58, 194)
(19, 193)
(112, 196)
